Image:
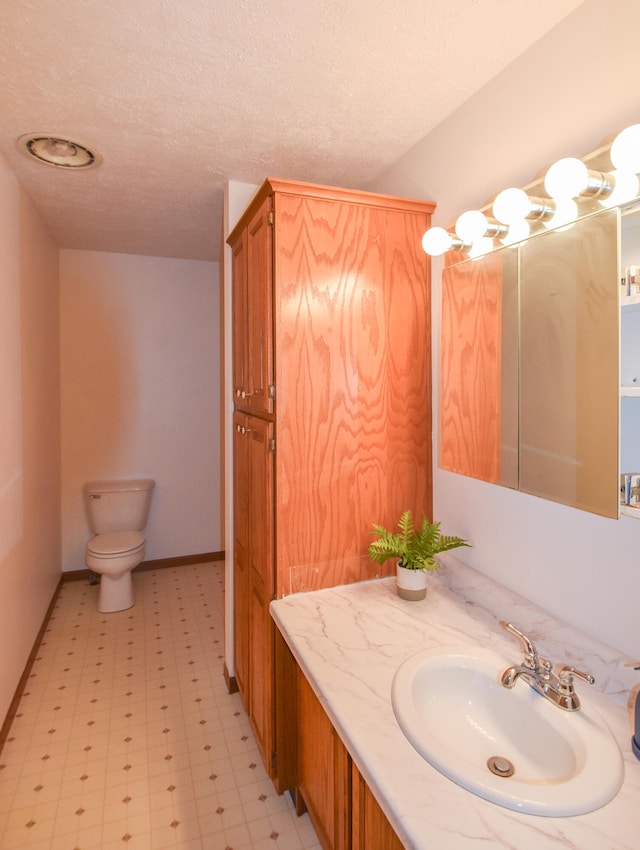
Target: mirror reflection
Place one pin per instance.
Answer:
(479, 368)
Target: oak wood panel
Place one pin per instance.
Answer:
(324, 771)
(259, 309)
(252, 313)
(353, 381)
(370, 825)
(241, 502)
(261, 588)
(261, 671)
(335, 193)
(254, 575)
(286, 716)
(239, 314)
(470, 368)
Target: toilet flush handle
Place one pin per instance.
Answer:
(95, 496)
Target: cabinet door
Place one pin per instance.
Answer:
(259, 309)
(370, 825)
(252, 313)
(261, 586)
(240, 357)
(241, 495)
(253, 575)
(324, 779)
(261, 672)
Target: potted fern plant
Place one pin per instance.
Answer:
(415, 550)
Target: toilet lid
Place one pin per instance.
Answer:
(115, 542)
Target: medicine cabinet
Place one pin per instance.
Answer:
(530, 365)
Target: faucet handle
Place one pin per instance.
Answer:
(565, 678)
(545, 664)
(531, 658)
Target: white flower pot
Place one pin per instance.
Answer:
(412, 584)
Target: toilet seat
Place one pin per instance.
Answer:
(112, 544)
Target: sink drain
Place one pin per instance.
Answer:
(500, 766)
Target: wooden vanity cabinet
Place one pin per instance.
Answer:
(317, 768)
(331, 351)
(323, 767)
(370, 827)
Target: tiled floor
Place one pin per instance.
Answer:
(127, 738)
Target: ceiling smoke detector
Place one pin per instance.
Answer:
(61, 153)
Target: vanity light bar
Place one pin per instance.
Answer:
(566, 180)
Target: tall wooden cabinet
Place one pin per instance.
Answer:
(331, 354)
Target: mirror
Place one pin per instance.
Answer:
(530, 365)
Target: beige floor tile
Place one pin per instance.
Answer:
(127, 738)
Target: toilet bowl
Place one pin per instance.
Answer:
(117, 511)
(113, 556)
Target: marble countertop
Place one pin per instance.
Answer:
(349, 641)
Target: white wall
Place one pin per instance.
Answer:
(29, 430)
(572, 90)
(140, 394)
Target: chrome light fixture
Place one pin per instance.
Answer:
(568, 183)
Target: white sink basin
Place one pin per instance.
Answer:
(450, 704)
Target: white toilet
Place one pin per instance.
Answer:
(117, 511)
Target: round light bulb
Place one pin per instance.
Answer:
(511, 205)
(625, 189)
(436, 241)
(625, 150)
(566, 178)
(565, 214)
(471, 226)
(481, 247)
(518, 232)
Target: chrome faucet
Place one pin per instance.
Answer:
(538, 673)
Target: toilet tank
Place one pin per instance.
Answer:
(121, 505)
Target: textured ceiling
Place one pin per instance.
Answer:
(179, 96)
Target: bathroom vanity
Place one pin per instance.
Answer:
(341, 745)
